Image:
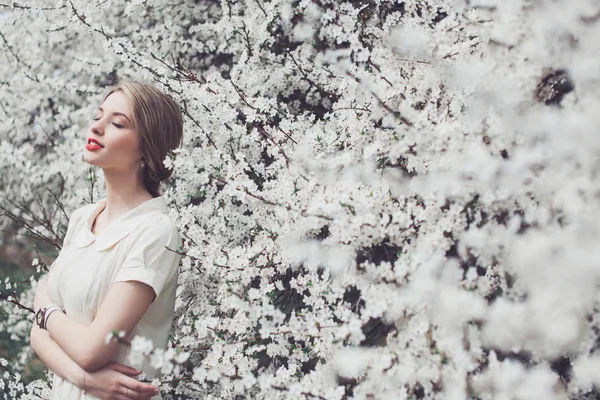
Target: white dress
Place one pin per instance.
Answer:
(131, 248)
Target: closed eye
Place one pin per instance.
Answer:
(119, 126)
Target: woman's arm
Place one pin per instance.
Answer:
(147, 268)
(121, 310)
(54, 358)
(105, 382)
(46, 349)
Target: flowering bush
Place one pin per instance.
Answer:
(378, 199)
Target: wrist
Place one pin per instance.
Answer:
(48, 313)
(78, 377)
(41, 316)
(75, 376)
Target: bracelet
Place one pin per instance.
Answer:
(42, 314)
(48, 312)
(84, 387)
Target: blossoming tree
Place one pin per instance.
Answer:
(378, 199)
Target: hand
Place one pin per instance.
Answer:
(113, 380)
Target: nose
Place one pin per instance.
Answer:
(96, 128)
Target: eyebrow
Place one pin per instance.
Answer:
(116, 113)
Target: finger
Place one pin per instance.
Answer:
(128, 393)
(129, 397)
(141, 387)
(124, 369)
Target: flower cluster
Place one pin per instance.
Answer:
(378, 199)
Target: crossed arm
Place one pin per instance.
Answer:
(68, 346)
(51, 354)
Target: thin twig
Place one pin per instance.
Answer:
(382, 103)
(310, 81)
(18, 6)
(186, 112)
(261, 7)
(241, 94)
(264, 133)
(19, 61)
(58, 203)
(304, 213)
(28, 227)
(12, 298)
(39, 257)
(82, 18)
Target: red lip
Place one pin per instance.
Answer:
(94, 141)
(93, 144)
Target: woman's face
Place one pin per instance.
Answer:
(112, 141)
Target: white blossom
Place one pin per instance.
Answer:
(390, 199)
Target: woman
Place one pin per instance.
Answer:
(117, 269)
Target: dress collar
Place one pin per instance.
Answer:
(119, 228)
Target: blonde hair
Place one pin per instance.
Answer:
(158, 121)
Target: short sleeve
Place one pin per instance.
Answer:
(153, 256)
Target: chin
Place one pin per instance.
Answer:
(86, 158)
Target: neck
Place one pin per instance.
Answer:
(124, 192)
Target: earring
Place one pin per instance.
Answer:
(142, 164)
